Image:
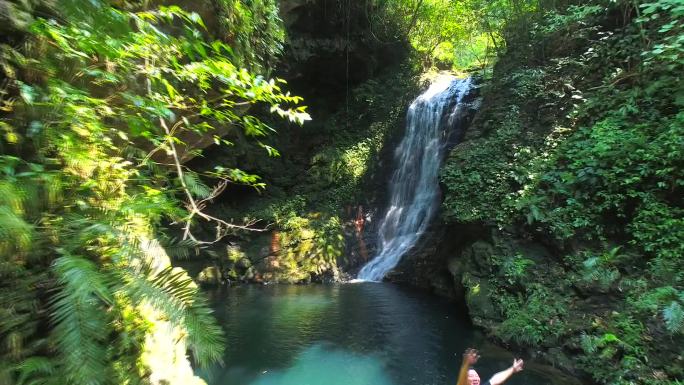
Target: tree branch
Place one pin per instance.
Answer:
(196, 207)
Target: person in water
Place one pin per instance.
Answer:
(468, 375)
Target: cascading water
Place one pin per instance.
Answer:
(414, 186)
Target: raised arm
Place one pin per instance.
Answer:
(470, 357)
(503, 376)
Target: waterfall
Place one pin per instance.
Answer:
(414, 189)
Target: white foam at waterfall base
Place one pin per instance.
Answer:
(414, 187)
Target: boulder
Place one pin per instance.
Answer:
(209, 276)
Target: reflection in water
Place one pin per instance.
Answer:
(364, 334)
(323, 364)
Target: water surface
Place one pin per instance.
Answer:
(348, 334)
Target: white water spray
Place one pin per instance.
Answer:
(414, 188)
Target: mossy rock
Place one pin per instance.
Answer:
(209, 276)
(479, 299)
(477, 259)
(243, 264)
(249, 274)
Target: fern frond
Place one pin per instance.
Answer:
(19, 305)
(82, 278)
(177, 283)
(195, 185)
(11, 196)
(15, 233)
(205, 336)
(80, 323)
(173, 293)
(79, 230)
(170, 291)
(179, 249)
(36, 370)
(588, 343)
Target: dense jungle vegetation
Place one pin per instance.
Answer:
(135, 134)
(580, 141)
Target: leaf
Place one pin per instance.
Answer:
(169, 88)
(195, 185)
(674, 317)
(27, 92)
(33, 367)
(196, 18)
(271, 151)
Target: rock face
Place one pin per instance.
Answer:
(330, 47)
(324, 193)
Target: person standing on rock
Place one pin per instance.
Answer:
(468, 375)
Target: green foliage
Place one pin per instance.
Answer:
(624, 163)
(480, 165)
(631, 162)
(658, 229)
(670, 46)
(310, 246)
(451, 35)
(96, 105)
(535, 318)
(79, 320)
(515, 268)
(579, 144)
(253, 30)
(569, 19)
(674, 317)
(652, 300)
(195, 185)
(601, 270)
(618, 339)
(666, 301)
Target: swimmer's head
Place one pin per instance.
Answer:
(473, 377)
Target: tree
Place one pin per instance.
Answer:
(91, 98)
